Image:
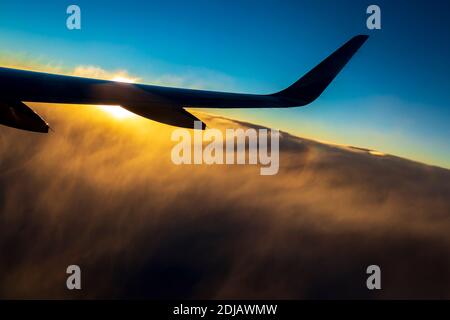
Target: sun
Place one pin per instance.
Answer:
(377, 153)
(117, 112)
(123, 79)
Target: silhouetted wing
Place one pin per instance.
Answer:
(158, 103)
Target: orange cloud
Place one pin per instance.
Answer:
(104, 194)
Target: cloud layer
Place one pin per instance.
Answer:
(104, 194)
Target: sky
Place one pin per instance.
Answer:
(393, 96)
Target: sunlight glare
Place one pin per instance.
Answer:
(123, 79)
(377, 153)
(117, 112)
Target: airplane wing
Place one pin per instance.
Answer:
(162, 104)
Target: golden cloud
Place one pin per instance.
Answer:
(104, 194)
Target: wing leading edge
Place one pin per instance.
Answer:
(162, 104)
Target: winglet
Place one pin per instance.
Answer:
(312, 84)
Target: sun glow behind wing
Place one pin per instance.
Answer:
(123, 79)
(117, 111)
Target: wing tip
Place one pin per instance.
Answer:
(313, 84)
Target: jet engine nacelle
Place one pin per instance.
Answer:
(19, 116)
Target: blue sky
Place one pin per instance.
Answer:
(393, 96)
